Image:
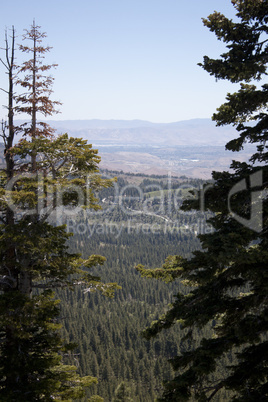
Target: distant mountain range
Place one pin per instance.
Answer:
(143, 133)
(191, 147)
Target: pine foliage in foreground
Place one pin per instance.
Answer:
(42, 174)
(227, 280)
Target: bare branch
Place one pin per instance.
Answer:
(3, 63)
(2, 89)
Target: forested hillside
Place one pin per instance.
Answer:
(108, 331)
(182, 263)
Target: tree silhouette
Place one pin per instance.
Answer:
(226, 282)
(43, 173)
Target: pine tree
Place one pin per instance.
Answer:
(226, 282)
(122, 393)
(43, 175)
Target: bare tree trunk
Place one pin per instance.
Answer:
(34, 100)
(8, 137)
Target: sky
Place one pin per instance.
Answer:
(125, 59)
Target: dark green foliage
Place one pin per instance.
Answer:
(31, 347)
(31, 367)
(227, 280)
(122, 393)
(108, 331)
(41, 175)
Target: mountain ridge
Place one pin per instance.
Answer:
(140, 132)
(192, 147)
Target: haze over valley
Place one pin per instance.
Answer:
(192, 148)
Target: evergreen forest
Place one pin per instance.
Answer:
(108, 332)
(126, 287)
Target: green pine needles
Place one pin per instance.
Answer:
(227, 283)
(44, 177)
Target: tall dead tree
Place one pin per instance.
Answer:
(33, 252)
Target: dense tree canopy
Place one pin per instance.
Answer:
(44, 174)
(226, 283)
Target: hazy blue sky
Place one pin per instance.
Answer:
(126, 59)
